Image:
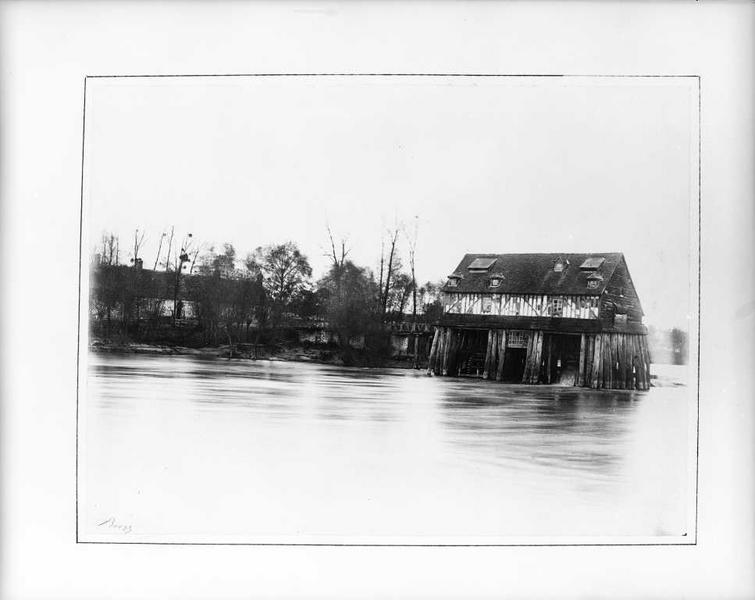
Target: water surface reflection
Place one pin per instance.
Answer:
(182, 446)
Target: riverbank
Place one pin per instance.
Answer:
(663, 375)
(293, 353)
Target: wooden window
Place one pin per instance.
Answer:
(495, 282)
(516, 339)
(557, 307)
(592, 284)
(487, 304)
(453, 282)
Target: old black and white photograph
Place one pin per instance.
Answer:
(324, 299)
(383, 309)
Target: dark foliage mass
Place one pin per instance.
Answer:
(212, 298)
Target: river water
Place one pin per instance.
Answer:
(184, 449)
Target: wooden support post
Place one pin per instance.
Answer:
(437, 367)
(501, 355)
(448, 350)
(614, 361)
(601, 359)
(620, 360)
(580, 379)
(488, 357)
(549, 359)
(540, 356)
(645, 358)
(528, 359)
(595, 375)
(496, 352)
(537, 355)
(623, 361)
(446, 344)
(493, 353)
(433, 352)
(453, 363)
(640, 367)
(606, 360)
(631, 366)
(628, 354)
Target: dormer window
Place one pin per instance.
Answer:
(481, 265)
(594, 281)
(495, 282)
(592, 264)
(560, 265)
(453, 280)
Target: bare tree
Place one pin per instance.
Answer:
(181, 258)
(393, 237)
(411, 239)
(412, 248)
(138, 241)
(159, 249)
(382, 266)
(337, 257)
(110, 249)
(194, 254)
(170, 244)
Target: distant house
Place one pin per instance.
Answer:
(569, 319)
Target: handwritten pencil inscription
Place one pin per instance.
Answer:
(111, 523)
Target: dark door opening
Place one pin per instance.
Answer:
(473, 346)
(561, 353)
(513, 364)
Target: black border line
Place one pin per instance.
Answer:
(81, 259)
(690, 544)
(699, 287)
(387, 74)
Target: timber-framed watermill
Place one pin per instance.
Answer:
(567, 319)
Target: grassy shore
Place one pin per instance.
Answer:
(285, 352)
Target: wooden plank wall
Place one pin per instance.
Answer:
(618, 361)
(606, 360)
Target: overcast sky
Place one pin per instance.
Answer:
(480, 164)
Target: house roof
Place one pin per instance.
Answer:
(535, 274)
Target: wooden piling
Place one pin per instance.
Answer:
(602, 361)
(433, 352)
(493, 353)
(579, 380)
(606, 360)
(528, 360)
(488, 353)
(537, 356)
(446, 344)
(501, 355)
(630, 356)
(453, 349)
(645, 359)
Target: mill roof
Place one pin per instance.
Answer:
(535, 273)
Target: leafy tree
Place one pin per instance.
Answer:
(223, 264)
(348, 295)
(399, 294)
(285, 273)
